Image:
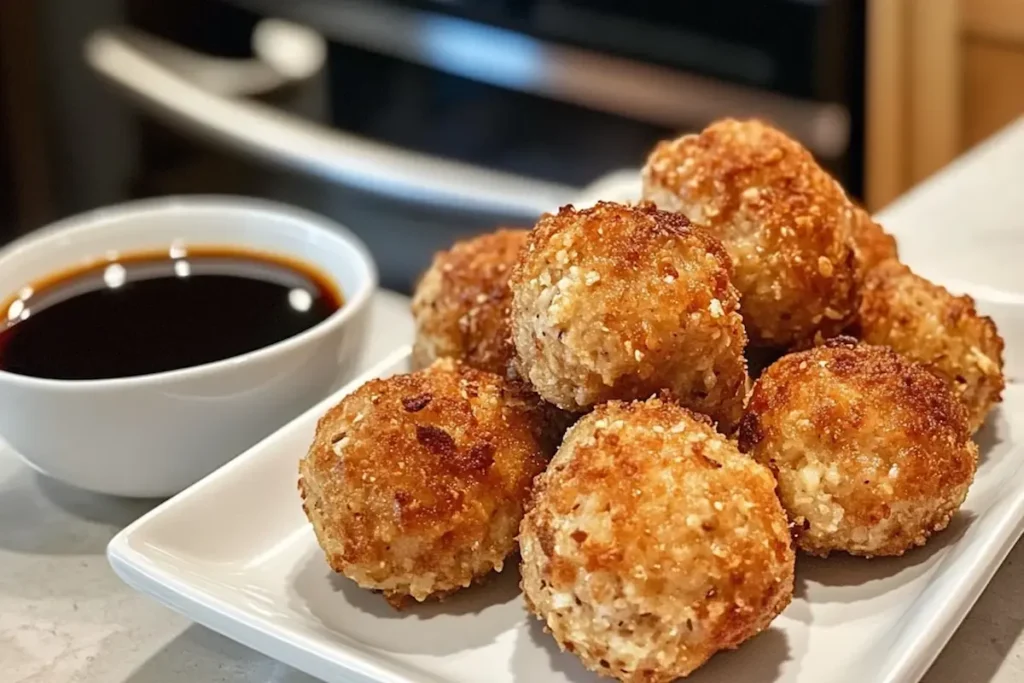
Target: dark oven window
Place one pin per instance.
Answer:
(440, 114)
(807, 52)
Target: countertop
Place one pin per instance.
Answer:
(65, 616)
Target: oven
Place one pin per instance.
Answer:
(415, 122)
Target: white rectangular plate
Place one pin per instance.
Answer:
(235, 553)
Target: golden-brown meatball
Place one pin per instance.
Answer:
(926, 323)
(461, 303)
(618, 302)
(784, 220)
(415, 485)
(871, 451)
(872, 243)
(653, 543)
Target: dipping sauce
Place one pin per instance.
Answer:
(147, 312)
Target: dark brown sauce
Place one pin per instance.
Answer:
(155, 311)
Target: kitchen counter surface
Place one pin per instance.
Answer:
(65, 616)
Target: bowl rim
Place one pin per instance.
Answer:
(354, 301)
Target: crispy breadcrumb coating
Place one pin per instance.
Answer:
(872, 452)
(618, 302)
(945, 333)
(653, 543)
(786, 223)
(416, 484)
(461, 303)
(872, 243)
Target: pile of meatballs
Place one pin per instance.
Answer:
(585, 394)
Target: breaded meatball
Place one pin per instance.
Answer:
(415, 485)
(926, 323)
(618, 302)
(461, 303)
(872, 243)
(871, 451)
(784, 220)
(653, 543)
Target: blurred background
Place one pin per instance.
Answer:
(415, 121)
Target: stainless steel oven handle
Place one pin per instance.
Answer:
(636, 90)
(124, 57)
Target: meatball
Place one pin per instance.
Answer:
(871, 451)
(461, 303)
(926, 323)
(619, 302)
(872, 243)
(415, 485)
(653, 543)
(786, 223)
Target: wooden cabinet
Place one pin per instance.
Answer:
(25, 200)
(942, 76)
(993, 87)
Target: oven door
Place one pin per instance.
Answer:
(404, 204)
(410, 193)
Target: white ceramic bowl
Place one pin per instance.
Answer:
(153, 435)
